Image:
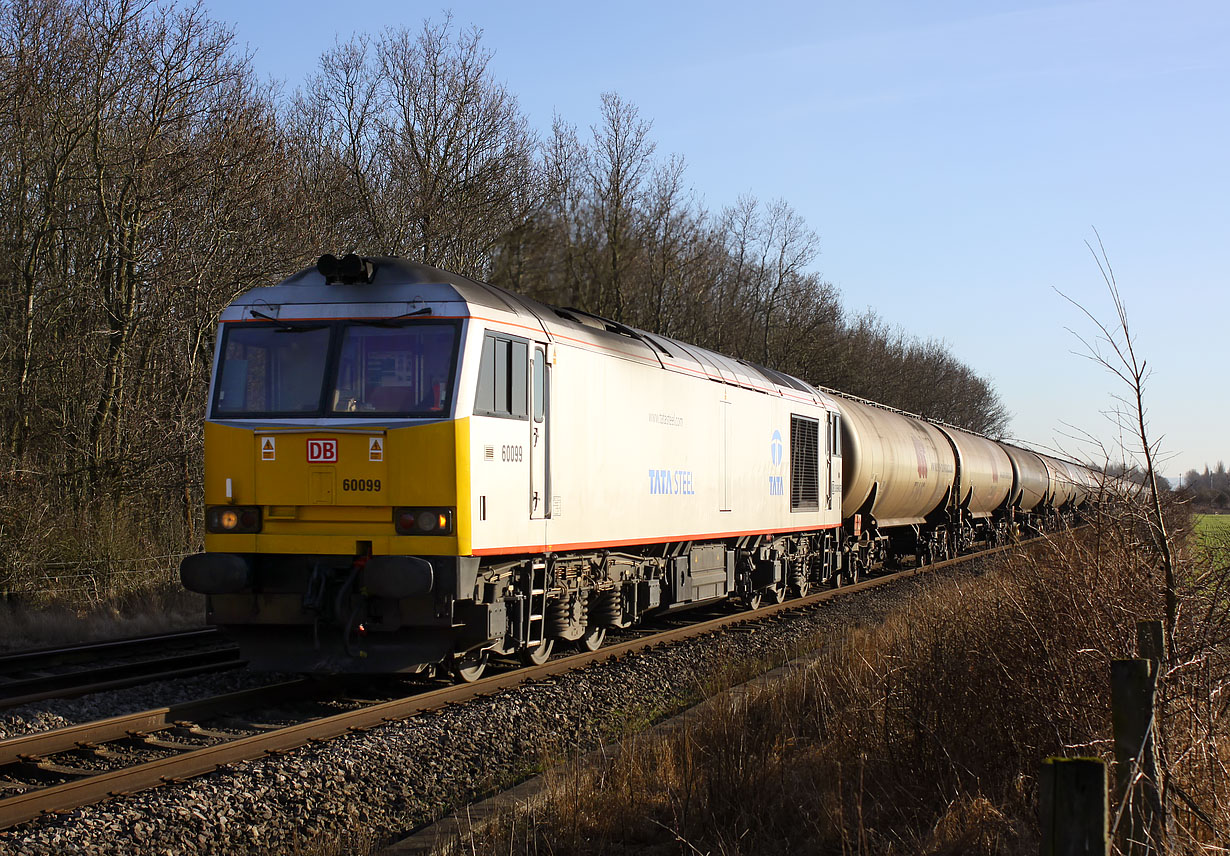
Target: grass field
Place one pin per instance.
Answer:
(1213, 527)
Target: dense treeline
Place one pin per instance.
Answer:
(1208, 488)
(147, 177)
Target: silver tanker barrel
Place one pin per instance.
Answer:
(984, 472)
(1094, 481)
(1030, 478)
(1105, 486)
(894, 467)
(1080, 483)
(1061, 491)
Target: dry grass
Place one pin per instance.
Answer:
(161, 611)
(79, 574)
(922, 735)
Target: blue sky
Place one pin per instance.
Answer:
(954, 158)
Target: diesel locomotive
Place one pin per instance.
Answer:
(409, 470)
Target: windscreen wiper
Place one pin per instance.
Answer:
(285, 326)
(390, 322)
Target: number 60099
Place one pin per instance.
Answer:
(361, 484)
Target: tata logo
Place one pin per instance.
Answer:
(775, 448)
(322, 451)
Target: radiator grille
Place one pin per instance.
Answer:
(804, 464)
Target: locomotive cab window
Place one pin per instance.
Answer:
(266, 369)
(804, 464)
(356, 368)
(502, 387)
(402, 370)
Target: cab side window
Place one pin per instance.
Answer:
(502, 377)
(540, 384)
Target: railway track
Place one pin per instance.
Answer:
(30, 676)
(81, 765)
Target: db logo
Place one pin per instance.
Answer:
(322, 451)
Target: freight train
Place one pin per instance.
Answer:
(407, 470)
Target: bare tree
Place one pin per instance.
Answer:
(788, 247)
(670, 231)
(430, 155)
(739, 227)
(621, 160)
(1114, 348)
(459, 152)
(44, 78)
(139, 148)
(334, 123)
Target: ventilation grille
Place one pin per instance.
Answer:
(804, 464)
(488, 453)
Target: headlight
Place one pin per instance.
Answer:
(233, 519)
(423, 521)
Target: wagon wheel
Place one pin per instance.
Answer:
(856, 571)
(538, 654)
(593, 638)
(468, 667)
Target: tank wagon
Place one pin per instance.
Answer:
(409, 470)
(1031, 488)
(898, 476)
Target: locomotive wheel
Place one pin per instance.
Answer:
(754, 599)
(802, 588)
(469, 667)
(593, 639)
(775, 594)
(538, 654)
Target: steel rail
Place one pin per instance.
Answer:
(85, 651)
(86, 734)
(24, 679)
(168, 668)
(28, 806)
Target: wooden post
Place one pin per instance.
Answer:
(1072, 805)
(1150, 643)
(1132, 686)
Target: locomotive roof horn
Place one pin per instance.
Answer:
(347, 270)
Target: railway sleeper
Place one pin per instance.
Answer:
(45, 772)
(215, 733)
